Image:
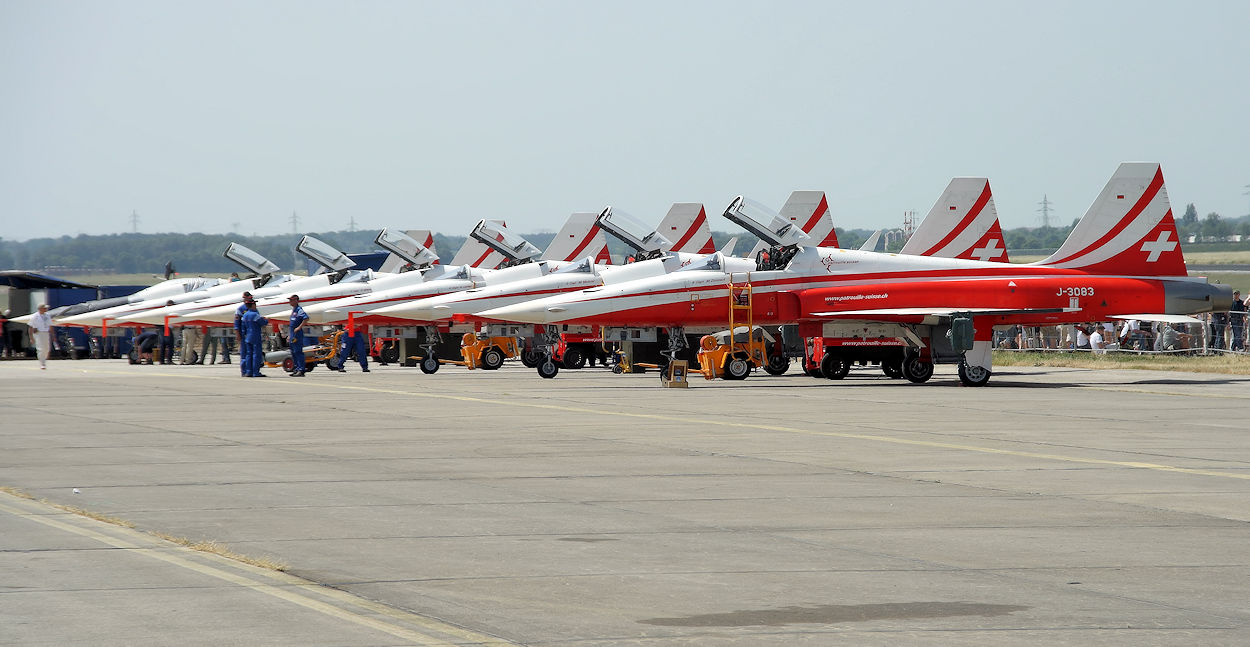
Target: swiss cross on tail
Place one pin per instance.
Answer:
(1129, 230)
(990, 247)
(963, 223)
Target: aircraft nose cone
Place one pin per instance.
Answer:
(522, 313)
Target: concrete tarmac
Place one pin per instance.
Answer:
(1054, 506)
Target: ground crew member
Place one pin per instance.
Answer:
(295, 336)
(353, 340)
(41, 331)
(252, 325)
(238, 332)
(167, 340)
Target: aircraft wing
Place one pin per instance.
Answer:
(1172, 319)
(936, 312)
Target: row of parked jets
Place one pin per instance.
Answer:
(935, 302)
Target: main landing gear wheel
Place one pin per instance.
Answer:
(429, 365)
(573, 358)
(737, 368)
(492, 358)
(530, 358)
(777, 365)
(917, 370)
(973, 375)
(548, 369)
(892, 368)
(834, 367)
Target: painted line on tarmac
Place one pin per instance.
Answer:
(289, 588)
(809, 432)
(794, 430)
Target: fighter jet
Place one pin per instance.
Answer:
(334, 279)
(1123, 259)
(579, 236)
(182, 291)
(653, 255)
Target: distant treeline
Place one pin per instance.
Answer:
(202, 253)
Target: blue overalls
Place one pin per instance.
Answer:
(296, 338)
(252, 324)
(238, 329)
(354, 340)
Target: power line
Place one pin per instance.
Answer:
(1045, 211)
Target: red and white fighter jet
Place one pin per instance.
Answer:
(1123, 260)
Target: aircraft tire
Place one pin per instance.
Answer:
(492, 358)
(777, 365)
(548, 369)
(737, 368)
(389, 353)
(973, 375)
(893, 369)
(530, 358)
(834, 367)
(429, 365)
(574, 358)
(916, 370)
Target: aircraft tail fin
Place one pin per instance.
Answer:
(394, 262)
(809, 210)
(872, 243)
(475, 253)
(728, 248)
(963, 223)
(686, 225)
(1128, 230)
(578, 238)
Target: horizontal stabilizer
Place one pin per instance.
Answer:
(1171, 319)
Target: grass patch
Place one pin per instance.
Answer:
(213, 547)
(221, 550)
(1222, 363)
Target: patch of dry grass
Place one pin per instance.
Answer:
(203, 546)
(221, 550)
(1227, 364)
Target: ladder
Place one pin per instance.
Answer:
(740, 307)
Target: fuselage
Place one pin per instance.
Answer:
(361, 308)
(464, 305)
(158, 298)
(821, 284)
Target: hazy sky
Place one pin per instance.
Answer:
(200, 115)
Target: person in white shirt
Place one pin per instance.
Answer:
(1082, 338)
(1095, 342)
(40, 330)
